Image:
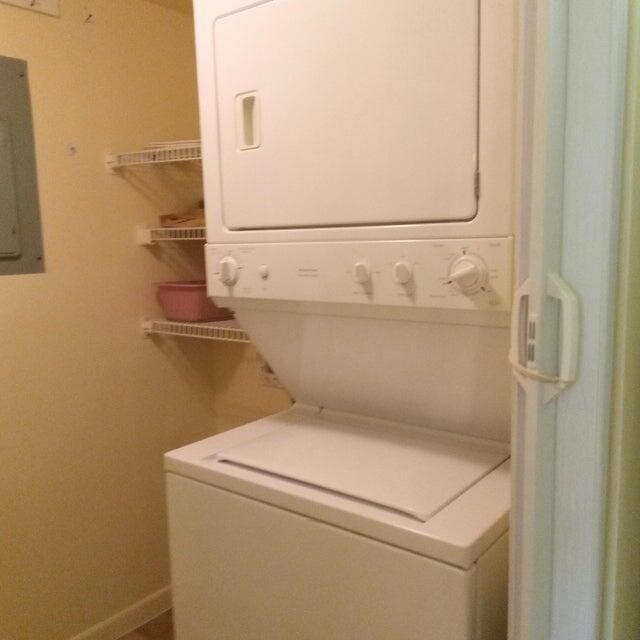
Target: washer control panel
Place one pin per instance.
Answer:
(446, 274)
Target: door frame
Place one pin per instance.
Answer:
(573, 65)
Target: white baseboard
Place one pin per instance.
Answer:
(129, 619)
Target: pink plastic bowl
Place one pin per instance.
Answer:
(186, 301)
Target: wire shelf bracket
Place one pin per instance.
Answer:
(148, 236)
(225, 330)
(156, 154)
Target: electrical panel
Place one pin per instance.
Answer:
(20, 234)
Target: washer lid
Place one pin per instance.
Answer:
(408, 470)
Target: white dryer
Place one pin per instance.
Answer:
(359, 161)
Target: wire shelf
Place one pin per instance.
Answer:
(225, 330)
(156, 154)
(146, 235)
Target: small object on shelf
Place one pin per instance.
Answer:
(186, 301)
(171, 144)
(225, 330)
(192, 218)
(175, 220)
(157, 153)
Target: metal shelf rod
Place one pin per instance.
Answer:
(225, 331)
(154, 155)
(147, 236)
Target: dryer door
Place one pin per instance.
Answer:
(335, 113)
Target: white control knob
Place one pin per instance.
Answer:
(229, 270)
(468, 273)
(361, 272)
(402, 272)
(263, 271)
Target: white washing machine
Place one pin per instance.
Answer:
(315, 524)
(359, 164)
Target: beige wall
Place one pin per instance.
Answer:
(87, 406)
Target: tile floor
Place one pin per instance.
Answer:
(159, 629)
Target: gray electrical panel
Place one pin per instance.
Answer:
(20, 232)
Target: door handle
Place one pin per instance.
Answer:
(248, 120)
(570, 331)
(523, 335)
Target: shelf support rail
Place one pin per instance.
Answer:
(225, 331)
(159, 155)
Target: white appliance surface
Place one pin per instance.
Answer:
(451, 512)
(392, 150)
(405, 469)
(406, 274)
(359, 120)
(246, 570)
(358, 158)
(453, 376)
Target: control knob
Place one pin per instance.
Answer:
(361, 272)
(468, 273)
(229, 270)
(402, 272)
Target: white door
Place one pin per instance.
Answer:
(304, 145)
(573, 87)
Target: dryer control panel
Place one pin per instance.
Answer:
(445, 274)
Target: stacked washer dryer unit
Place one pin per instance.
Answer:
(358, 161)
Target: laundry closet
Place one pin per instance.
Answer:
(311, 319)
